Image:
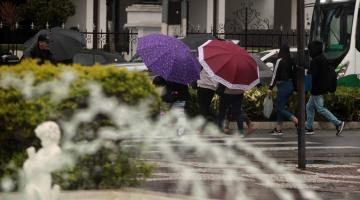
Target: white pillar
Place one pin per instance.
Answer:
(183, 18)
(89, 21)
(209, 15)
(102, 16)
(221, 15)
(165, 14)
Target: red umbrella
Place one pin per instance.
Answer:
(229, 64)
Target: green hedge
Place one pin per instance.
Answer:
(19, 116)
(345, 104)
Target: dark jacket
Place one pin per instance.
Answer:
(283, 71)
(41, 54)
(320, 72)
(173, 91)
(319, 69)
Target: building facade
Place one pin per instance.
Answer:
(179, 17)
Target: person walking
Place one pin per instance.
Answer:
(41, 50)
(230, 98)
(320, 70)
(175, 95)
(205, 91)
(283, 79)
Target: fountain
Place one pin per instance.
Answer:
(131, 123)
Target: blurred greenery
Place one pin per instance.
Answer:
(19, 116)
(54, 12)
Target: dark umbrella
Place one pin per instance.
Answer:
(193, 41)
(169, 58)
(63, 43)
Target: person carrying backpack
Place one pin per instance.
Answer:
(322, 83)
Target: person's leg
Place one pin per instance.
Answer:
(236, 101)
(319, 105)
(250, 126)
(310, 113)
(223, 105)
(284, 92)
(204, 99)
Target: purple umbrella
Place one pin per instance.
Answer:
(169, 58)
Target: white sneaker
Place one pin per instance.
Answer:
(309, 131)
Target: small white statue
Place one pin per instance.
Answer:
(39, 166)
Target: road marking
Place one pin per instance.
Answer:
(308, 148)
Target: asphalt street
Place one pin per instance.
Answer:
(333, 165)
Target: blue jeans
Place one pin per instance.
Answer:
(284, 91)
(317, 102)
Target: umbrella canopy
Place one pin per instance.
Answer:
(229, 64)
(193, 41)
(169, 58)
(63, 43)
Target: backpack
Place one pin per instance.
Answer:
(332, 80)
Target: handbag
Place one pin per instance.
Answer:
(268, 106)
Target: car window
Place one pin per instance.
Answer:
(272, 59)
(84, 59)
(262, 54)
(100, 59)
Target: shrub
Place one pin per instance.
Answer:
(19, 116)
(344, 103)
(106, 169)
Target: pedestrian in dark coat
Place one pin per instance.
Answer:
(41, 50)
(283, 78)
(174, 92)
(230, 98)
(320, 70)
(205, 91)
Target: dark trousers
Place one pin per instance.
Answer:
(233, 100)
(205, 97)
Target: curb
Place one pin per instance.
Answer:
(290, 125)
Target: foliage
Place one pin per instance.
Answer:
(344, 103)
(19, 116)
(106, 169)
(54, 12)
(9, 14)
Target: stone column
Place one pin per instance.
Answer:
(184, 15)
(89, 27)
(209, 15)
(165, 14)
(221, 16)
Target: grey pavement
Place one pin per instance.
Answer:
(333, 168)
(333, 164)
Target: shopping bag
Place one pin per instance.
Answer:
(268, 106)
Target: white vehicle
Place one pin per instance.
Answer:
(132, 66)
(270, 56)
(336, 23)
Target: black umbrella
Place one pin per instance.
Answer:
(193, 41)
(63, 43)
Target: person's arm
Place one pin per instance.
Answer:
(220, 89)
(159, 81)
(314, 69)
(275, 74)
